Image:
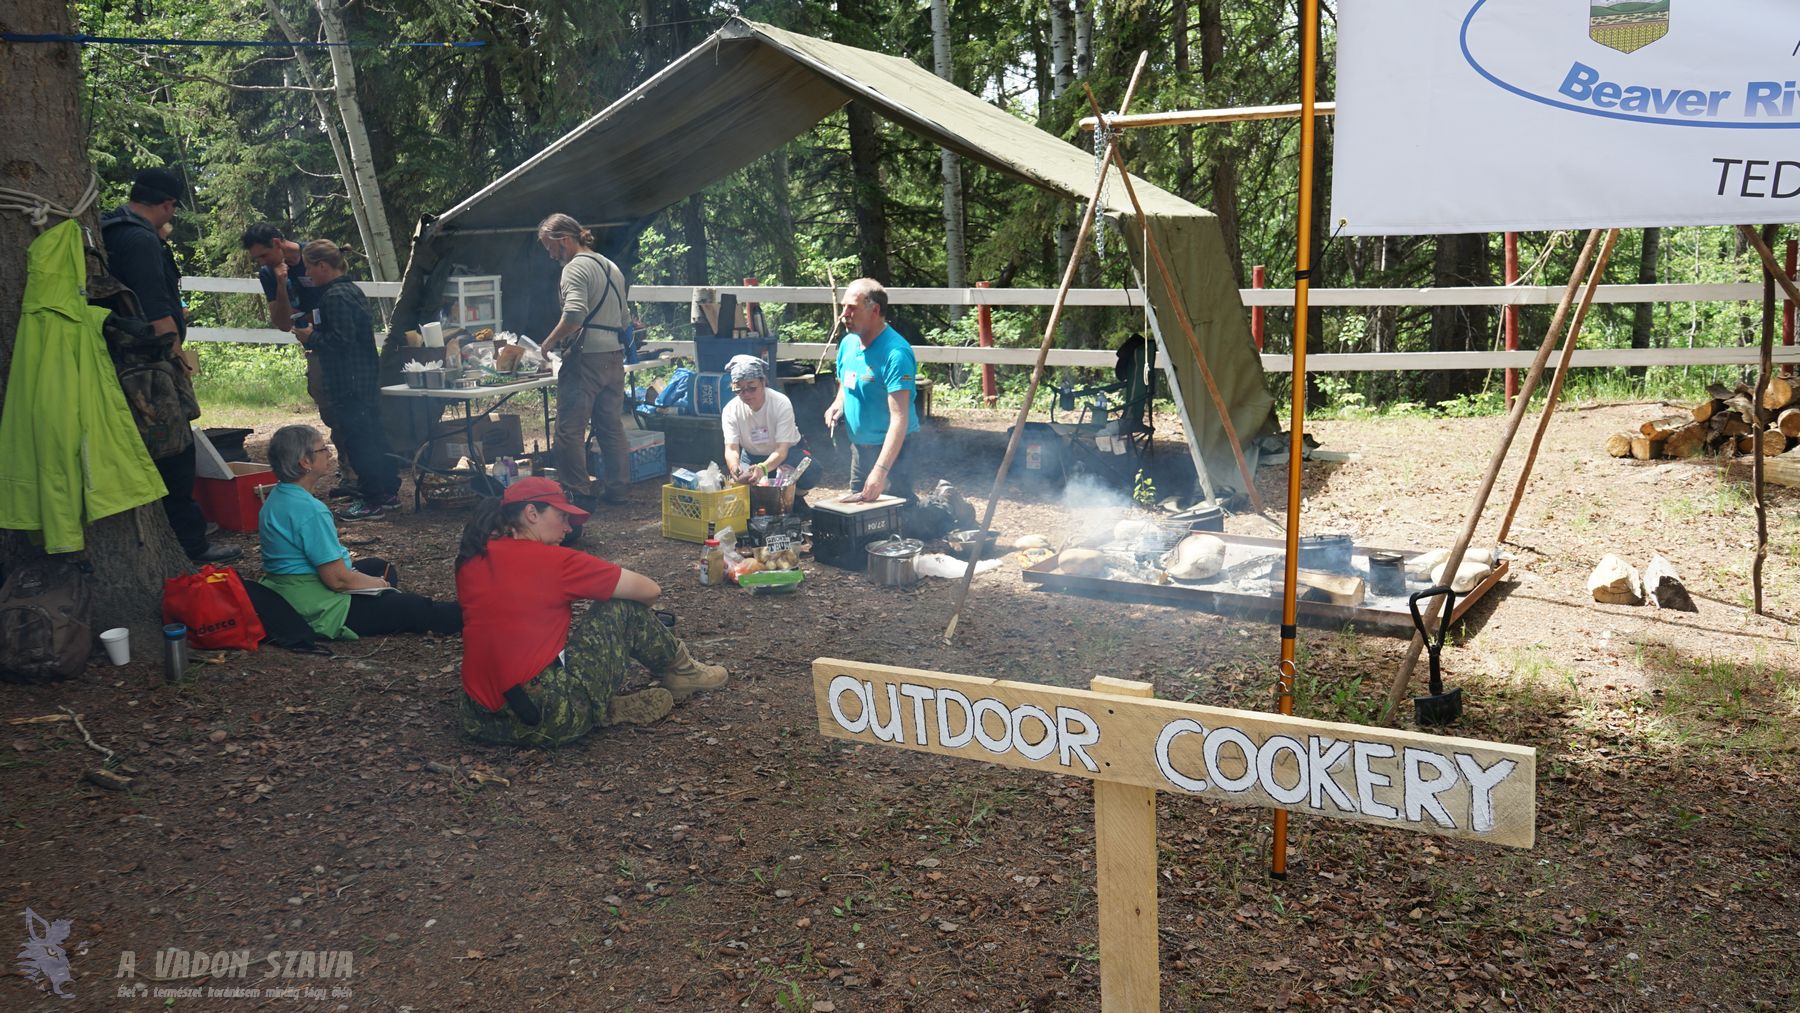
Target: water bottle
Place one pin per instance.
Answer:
(174, 651)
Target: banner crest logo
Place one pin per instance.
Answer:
(1627, 25)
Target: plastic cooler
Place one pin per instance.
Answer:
(235, 503)
(712, 392)
(687, 512)
(713, 353)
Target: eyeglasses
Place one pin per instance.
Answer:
(319, 450)
(745, 388)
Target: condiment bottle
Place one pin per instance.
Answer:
(712, 563)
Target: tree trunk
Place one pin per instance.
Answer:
(1224, 160)
(133, 552)
(787, 259)
(330, 123)
(871, 204)
(693, 229)
(955, 247)
(1644, 313)
(1084, 39)
(1062, 48)
(1184, 135)
(1460, 260)
(383, 263)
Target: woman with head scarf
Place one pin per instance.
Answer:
(534, 674)
(759, 427)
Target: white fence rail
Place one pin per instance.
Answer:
(1266, 297)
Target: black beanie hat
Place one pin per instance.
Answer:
(153, 186)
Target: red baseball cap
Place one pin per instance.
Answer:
(545, 491)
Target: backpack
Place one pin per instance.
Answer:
(156, 388)
(46, 620)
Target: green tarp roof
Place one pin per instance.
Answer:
(751, 88)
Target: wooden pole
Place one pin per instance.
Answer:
(1037, 369)
(1180, 118)
(1556, 383)
(1397, 690)
(1125, 881)
(1187, 324)
(1511, 315)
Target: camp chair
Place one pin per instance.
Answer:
(1102, 420)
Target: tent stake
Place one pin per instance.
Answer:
(1181, 317)
(1037, 369)
(1397, 690)
(1556, 384)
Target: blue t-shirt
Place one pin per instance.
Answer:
(298, 534)
(868, 376)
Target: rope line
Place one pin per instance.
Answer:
(39, 209)
(123, 40)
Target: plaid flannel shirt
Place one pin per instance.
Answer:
(344, 341)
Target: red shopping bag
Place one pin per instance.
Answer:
(215, 608)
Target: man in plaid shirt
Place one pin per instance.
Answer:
(344, 341)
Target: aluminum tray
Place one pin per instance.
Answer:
(1384, 615)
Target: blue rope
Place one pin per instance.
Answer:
(115, 40)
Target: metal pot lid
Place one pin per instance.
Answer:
(895, 547)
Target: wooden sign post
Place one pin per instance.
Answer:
(1132, 746)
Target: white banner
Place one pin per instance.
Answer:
(1487, 115)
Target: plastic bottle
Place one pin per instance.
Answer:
(174, 651)
(712, 563)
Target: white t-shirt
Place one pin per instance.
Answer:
(760, 432)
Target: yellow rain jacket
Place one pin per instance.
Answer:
(70, 452)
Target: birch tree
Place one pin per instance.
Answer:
(955, 249)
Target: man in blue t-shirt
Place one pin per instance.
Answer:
(291, 294)
(876, 374)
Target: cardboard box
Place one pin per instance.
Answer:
(495, 436)
(235, 503)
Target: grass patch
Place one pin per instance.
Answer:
(250, 376)
(1737, 704)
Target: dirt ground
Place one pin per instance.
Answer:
(731, 857)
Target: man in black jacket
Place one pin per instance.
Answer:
(138, 257)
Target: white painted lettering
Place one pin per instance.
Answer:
(1218, 738)
(1045, 744)
(1171, 731)
(945, 736)
(835, 692)
(1319, 767)
(1368, 780)
(1481, 788)
(918, 695)
(1071, 742)
(1265, 768)
(1421, 794)
(992, 743)
(889, 732)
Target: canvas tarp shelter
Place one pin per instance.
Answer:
(751, 88)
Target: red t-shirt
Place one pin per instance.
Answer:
(515, 601)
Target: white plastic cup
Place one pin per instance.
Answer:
(117, 642)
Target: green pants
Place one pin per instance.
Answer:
(574, 696)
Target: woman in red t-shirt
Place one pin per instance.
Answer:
(532, 674)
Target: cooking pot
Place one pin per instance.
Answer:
(891, 561)
(972, 543)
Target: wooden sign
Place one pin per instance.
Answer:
(1132, 746)
(1435, 784)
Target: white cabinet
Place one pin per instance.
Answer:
(472, 301)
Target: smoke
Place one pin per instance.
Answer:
(1085, 492)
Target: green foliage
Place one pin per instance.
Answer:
(250, 376)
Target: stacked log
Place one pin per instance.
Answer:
(1727, 424)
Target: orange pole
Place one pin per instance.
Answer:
(1290, 633)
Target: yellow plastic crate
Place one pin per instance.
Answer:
(687, 512)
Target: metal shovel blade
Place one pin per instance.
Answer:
(1440, 709)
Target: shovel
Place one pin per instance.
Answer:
(1438, 708)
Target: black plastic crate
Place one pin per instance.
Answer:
(838, 538)
(713, 353)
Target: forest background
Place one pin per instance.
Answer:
(356, 143)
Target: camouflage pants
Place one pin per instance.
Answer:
(574, 696)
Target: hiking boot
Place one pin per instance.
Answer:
(215, 553)
(614, 496)
(362, 510)
(646, 706)
(686, 676)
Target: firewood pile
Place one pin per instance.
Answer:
(1723, 425)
